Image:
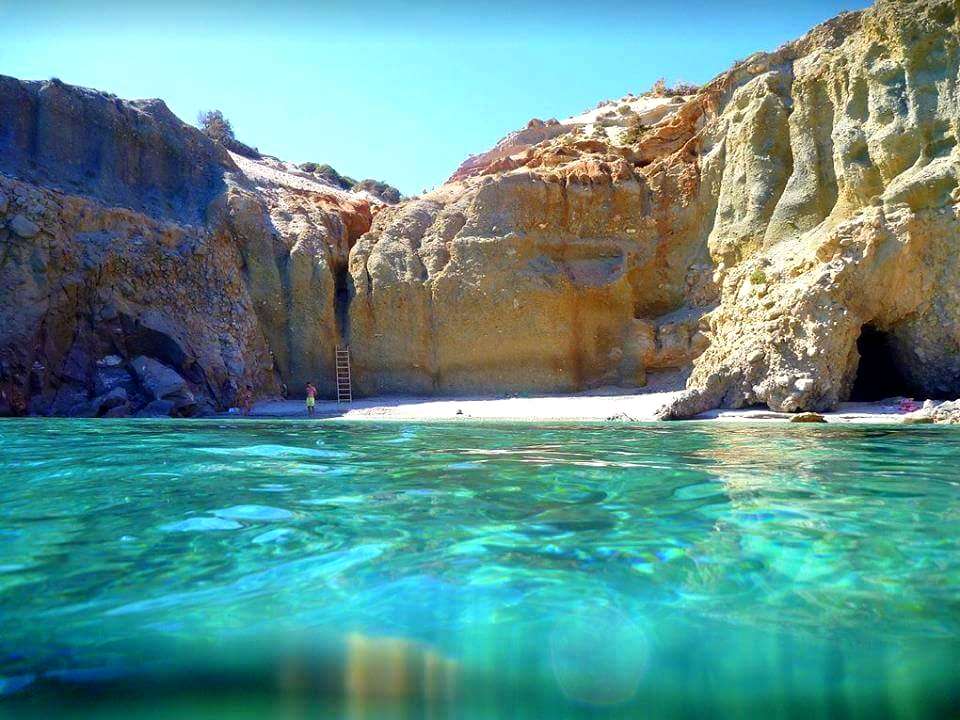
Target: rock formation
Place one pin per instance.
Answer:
(141, 263)
(947, 412)
(837, 162)
(754, 231)
(786, 235)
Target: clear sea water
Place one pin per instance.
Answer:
(284, 569)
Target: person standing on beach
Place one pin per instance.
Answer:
(246, 400)
(311, 398)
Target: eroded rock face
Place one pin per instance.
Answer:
(294, 236)
(129, 240)
(528, 281)
(753, 231)
(132, 154)
(562, 259)
(846, 218)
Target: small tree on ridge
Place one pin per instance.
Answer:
(215, 126)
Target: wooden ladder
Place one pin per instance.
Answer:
(344, 385)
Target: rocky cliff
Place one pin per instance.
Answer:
(791, 225)
(835, 237)
(145, 268)
(571, 263)
(784, 235)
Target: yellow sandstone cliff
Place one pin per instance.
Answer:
(755, 231)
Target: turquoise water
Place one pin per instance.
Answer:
(177, 569)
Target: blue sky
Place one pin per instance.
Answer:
(399, 91)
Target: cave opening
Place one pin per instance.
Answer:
(878, 375)
(342, 294)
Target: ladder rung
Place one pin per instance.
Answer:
(343, 381)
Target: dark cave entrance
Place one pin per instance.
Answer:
(342, 294)
(878, 376)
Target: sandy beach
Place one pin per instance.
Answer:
(611, 404)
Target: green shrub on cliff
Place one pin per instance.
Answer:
(379, 189)
(634, 131)
(328, 174)
(661, 89)
(215, 126)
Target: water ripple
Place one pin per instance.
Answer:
(489, 541)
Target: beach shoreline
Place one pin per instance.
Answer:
(605, 405)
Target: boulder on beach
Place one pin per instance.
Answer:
(807, 417)
(163, 382)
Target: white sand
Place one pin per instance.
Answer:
(555, 407)
(612, 405)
